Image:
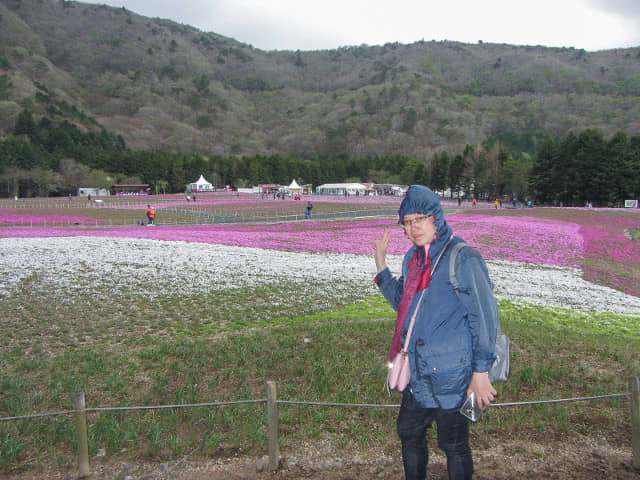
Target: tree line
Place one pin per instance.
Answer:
(44, 157)
(586, 168)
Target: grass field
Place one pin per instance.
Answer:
(144, 334)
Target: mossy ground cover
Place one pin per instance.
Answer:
(126, 352)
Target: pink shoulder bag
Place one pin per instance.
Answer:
(400, 370)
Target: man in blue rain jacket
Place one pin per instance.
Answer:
(452, 346)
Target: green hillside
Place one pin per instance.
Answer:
(162, 85)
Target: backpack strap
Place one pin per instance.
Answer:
(452, 271)
(452, 264)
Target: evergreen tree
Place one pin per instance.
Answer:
(593, 185)
(620, 179)
(440, 172)
(25, 124)
(456, 170)
(541, 184)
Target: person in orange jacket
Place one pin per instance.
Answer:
(151, 214)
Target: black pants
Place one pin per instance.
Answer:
(453, 438)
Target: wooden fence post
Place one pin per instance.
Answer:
(635, 421)
(81, 428)
(272, 427)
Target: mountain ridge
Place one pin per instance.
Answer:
(163, 85)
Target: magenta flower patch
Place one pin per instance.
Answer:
(10, 217)
(609, 241)
(522, 239)
(582, 243)
(320, 237)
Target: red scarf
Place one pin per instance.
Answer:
(418, 279)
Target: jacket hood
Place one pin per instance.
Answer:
(422, 200)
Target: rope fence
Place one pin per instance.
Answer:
(80, 412)
(123, 409)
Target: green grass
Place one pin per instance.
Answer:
(158, 355)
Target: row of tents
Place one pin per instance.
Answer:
(345, 189)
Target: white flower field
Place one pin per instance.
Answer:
(86, 265)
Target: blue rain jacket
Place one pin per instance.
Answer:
(454, 334)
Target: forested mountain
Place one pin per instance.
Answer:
(160, 84)
(92, 95)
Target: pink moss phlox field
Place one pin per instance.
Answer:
(9, 217)
(608, 241)
(504, 238)
(319, 237)
(521, 239)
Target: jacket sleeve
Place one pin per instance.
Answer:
(476, 294)
(391, 287)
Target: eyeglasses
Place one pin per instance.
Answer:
(415, 221)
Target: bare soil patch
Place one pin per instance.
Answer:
(495, 459)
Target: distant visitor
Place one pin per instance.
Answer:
(151, 214)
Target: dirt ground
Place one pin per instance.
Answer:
(584, 458)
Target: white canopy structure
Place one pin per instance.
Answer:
(201, 185)
(341, 189)
(294, 187)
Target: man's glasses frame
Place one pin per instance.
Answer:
(415, 221)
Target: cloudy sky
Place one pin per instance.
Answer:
(327, 24)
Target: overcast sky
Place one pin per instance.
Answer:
(328, 24)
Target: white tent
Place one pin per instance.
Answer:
(294, 187)
(342, 189)
(201, 185)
